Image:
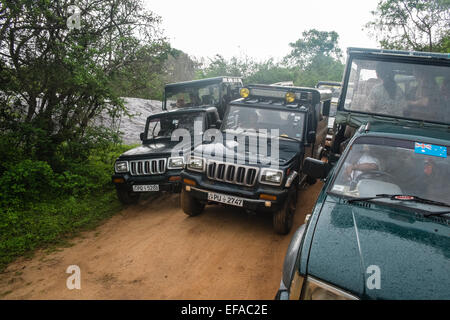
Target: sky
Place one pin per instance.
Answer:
(259, 29)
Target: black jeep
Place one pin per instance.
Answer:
(156, 165)
(335, 88)
(216, 92)
(255, 160)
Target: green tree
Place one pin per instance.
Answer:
(180, 67)
(421, 25)
(143, 76)
(219, 66)
(320, 68)
(265, 72)
(314, 57)
(313, 43)
(54, 79)
(268, 72)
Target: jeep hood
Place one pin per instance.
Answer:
(161, 147)
(412, 252)
(287, 151)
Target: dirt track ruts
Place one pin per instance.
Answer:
(154, 251)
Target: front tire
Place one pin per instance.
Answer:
(283, 219)
(190, 205)
(127, 197)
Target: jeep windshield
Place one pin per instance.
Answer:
(241, 119)
(399, 89)
(194, 96)
(376, 166)
(163, 126)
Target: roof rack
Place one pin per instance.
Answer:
(301, 94)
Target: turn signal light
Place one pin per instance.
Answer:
(175, 178)
(189, 182)
(118, 180)
(267, 197)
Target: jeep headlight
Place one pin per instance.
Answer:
(121, 166)
(271, 176)
(196, 164)
(318, 290)
(175, 163)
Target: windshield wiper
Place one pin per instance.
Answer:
(436, 213)
(401, 197)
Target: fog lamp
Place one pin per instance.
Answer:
(244, 92)
(290, 97)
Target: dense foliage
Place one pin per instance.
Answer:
(315, 56)
(39, 206)
(421, 25)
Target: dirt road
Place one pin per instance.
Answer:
(154, 251)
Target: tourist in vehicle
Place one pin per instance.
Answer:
(180, 102)
(431, 179)
(195, 100)
(366, 162)
(386, 97)
(427, 93)
(445, 98)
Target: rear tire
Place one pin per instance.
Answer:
(283, 219)
(127, 197)
(191, 206)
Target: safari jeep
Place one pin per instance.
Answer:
(216, 92)
(255, 160)
(335, 88)
(155, 166)
(380, 226)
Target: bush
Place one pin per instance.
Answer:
(40, 206)
(26, 181)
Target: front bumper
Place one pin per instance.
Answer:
(162, 180)
(250, 195)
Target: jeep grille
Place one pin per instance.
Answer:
(232, 173)
(147, 167)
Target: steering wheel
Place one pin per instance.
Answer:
(374, 174)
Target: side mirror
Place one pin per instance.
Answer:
(311, 137)
(326, 108)
(142, 136)
(315, 168)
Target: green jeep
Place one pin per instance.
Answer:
(380, 227)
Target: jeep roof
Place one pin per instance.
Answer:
(328, 83)
(184, 110)
(201, 82)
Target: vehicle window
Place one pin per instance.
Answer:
(192, 96)
(406, 90)
(164, 126)
(335, 92)
(404, 168)
(242, 119)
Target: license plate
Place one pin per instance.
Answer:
(223, 198)
(145, 187)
